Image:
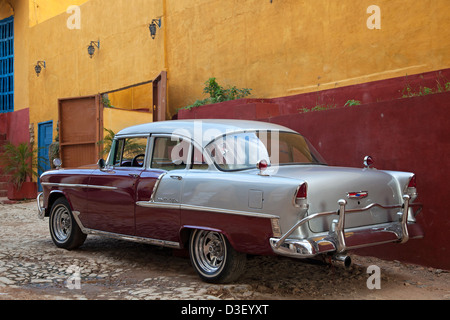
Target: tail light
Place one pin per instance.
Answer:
(302, 192)
(300, 195)
(368, 161)
(262, 165)
(412, 182)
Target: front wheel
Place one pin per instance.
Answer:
(64, 230)
(214, 258)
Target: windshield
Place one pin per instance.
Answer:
(238, 151)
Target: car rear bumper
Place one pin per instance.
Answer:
(339, 240)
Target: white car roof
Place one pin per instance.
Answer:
(202, 131)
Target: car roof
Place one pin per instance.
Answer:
(202, 131)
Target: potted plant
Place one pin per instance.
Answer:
(19, 164)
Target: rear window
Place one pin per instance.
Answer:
(239, 151)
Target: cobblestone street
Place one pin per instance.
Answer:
(31, 267)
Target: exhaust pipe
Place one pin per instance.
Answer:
(341, 260)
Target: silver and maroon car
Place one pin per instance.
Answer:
(227, 188)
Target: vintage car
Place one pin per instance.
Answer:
(224, 189)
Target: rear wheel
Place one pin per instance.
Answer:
(214, 258)
(64, 230)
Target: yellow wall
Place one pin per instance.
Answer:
(127, 54)
(138, 97)
(117, 119)
(278, 49)
(6, 10)
(290, 46)
(42, 10)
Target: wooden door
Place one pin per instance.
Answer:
(80, 130)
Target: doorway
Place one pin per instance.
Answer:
(45, 139)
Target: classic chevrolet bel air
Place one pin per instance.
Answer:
(227, 188)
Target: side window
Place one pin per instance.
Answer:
(128, 152)
(198, 161)
(170, 153)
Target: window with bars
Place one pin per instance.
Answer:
(7, 65)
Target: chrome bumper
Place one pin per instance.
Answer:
(41, 210)
(338, 240)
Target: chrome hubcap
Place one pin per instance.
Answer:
(62, 223)
(210, 251)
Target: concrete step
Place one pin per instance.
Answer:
(3, 141)
(3, 185)
(4, 178)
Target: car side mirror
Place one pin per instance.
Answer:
(101, 164)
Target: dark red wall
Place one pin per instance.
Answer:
(377, 91)
(410, 134)
(15, 125)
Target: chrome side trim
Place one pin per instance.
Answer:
(164, 205)
(150, 204)
(78, 221)
(156, 186)
(163, 243)
(227, 211)
(76, 185)
(88, 186)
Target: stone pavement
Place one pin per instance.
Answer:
(32, 267)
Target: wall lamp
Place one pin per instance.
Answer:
(91, 48)
(152, 27)
(38, 67)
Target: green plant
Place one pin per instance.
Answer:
(18, 161)
(409, 92)
(303, 110)
(217, 93)
(442, 85)
(318, 107)
(107, 141)
(321, 107)
(350, 103)
(106, 102)
(132, 145)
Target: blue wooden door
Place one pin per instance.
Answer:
(45, 138)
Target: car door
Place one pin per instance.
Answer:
(112, 189)
(159, 191)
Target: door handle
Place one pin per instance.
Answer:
(134, 175)
(177, 177)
